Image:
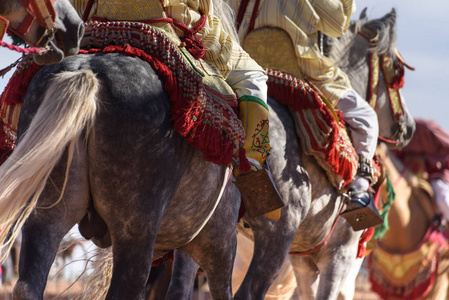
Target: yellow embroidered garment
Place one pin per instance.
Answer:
(302, 20)
(221, 51)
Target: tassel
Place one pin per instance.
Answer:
(380, 231)
(366, 237)
(245, 166)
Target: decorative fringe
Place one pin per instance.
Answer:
(189, 120)
(17, 86)
(391, 195)
(401, 292)
(300, 96)
(214, 129)
(245, 166)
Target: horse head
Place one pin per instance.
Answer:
(373, 58)
(50, 24)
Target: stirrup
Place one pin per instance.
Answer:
(365, 214)
(258, 190)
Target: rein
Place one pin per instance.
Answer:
(393, 75)
(41, 11)
(324, 242)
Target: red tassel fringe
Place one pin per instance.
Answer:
(188, 119)
(300, 96)
(17, 86)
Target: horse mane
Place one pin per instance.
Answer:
(335, 48)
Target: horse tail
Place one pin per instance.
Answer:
(68, 108)
(96, 284)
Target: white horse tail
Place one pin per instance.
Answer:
(68, 108)
(96, 284)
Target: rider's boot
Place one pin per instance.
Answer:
(258, 190)
(361, 213)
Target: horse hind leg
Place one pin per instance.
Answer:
(213, 249)
(182, 278)
(45, 228)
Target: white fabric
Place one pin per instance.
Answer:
(441, 190)
(361, 119)
(252, 83)
(360, 183)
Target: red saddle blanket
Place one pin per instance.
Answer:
(319, 127)
(409, 275)
(204, 117)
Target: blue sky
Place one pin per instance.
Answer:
(422, 39)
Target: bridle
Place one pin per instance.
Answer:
(393, 74)
(41, 11)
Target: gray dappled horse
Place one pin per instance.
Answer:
(309, 216)
(138, 188)
(104, 138)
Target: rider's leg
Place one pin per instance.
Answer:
(441, 190)
(363, 124)
(251, 90)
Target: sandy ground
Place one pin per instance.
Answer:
(60, 289)
(63, 291)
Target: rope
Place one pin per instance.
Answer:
(31, 50)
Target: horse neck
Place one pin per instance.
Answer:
(407, 219)
(350, 53)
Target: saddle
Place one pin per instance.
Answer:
(410, 275)
(318, 125)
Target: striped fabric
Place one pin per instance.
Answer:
(302, 20)
(221, 51)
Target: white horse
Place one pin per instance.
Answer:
(326, 247)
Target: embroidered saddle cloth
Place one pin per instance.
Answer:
(202, 105)
(318, 125)
(410, 275)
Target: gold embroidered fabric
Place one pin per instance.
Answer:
(129, 10)
(302, 20)
(222, 52)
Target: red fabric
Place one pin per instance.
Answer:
(187, 117)
(424, 280)
(398, 80)
(17, 86)
(430, 143)
(302, 98)
(167, 257)
(195, 47)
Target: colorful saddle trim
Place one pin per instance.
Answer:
(322, 135)
(410, 275)
(203, 114)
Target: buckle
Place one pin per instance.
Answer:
(365, 169)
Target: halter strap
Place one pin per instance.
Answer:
(41, 11)
(393, 78)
